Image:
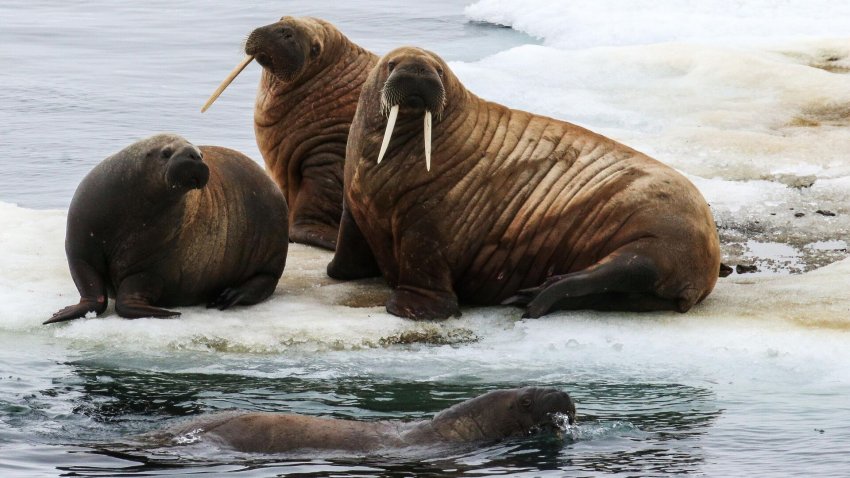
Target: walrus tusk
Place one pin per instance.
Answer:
(389, 132)
(224, 84)
(427, 140)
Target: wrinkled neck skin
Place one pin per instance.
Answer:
(311, 115)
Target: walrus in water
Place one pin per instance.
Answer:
(494, 416)
(165, 223)
(509, 207)
(306, 100)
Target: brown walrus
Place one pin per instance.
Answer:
(490, 417)
(306, 100)
(166, 223)
(513, 207)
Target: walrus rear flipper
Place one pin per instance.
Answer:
(621, 281)
(135, 296)
(92, 293)
(253, 291)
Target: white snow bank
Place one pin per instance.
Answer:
(310, 312)
(585, 23)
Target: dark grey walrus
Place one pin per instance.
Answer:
(165, 223)
(490, 417)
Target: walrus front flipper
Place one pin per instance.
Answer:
(77, 311)
(253, 291)
(422, 304)
(92, 293)
(319, 235)
(621, 281)
(353, 258)
(317, 208)
(135, 295)
(424, 290)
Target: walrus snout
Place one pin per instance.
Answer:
(560, 402)
(544, 402)
(186, 169)
(417, 86)
(279, 48)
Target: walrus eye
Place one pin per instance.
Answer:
(391, 66)
(440, 72)
(166, 153)
(315, 50)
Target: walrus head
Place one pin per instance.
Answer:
(286, 49)
(413, 83)
(181, 161)
(504, 413)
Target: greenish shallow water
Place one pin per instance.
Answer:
(79, 412)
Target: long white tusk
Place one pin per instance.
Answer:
(427, 140)
(224, 84)
(389, 132)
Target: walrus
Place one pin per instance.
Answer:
(164, 223)
(509, 207)
(494, 416)
(306, 100)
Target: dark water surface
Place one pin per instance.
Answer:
(67, 409)
(78, 415)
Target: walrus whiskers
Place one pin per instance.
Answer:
(427, 140)
(224, 84)
(389, 132)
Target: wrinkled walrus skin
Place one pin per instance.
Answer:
(494, 416)
(516, 208)
(306, 100)
(165, 223)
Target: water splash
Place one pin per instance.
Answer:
(600, 430)
(193, 436)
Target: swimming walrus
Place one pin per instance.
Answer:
(509, 207)
(306, 100)
(165, 223)
(494, 416)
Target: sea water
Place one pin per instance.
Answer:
(750, 100)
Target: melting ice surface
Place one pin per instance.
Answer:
(750, 100)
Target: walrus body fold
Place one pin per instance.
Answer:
(493, 416)
(165, 223)
(306, 100)
(516, 208)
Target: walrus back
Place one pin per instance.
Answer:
(279, 433)
(236, 226)
(554, 198)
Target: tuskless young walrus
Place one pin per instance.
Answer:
(165, 223)
(455, 198)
